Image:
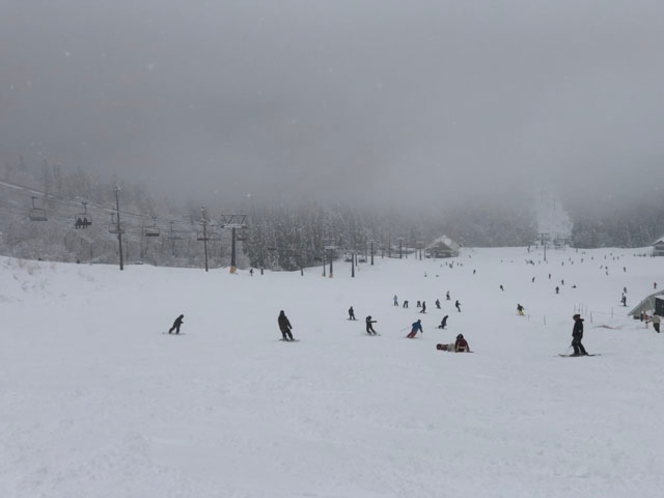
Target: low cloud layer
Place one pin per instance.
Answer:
(396, 102)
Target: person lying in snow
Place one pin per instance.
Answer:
(460, 346)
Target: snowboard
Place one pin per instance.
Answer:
(173, 333)
(293, 340)
(577, 356)
(371, 335)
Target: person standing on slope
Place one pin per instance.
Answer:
(424, 307)
(656, 320)
(285, 326)
(519, 309)
(417, 327)
(369, 322)
(396, 300)
(176, 325)
(577, 335)
(443, 322)
(458, 306)
(351, 313)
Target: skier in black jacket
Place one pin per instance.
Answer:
(577, 335)
(285, 326)
(176, 325)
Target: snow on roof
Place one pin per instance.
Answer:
(648, 304)
(446, 241)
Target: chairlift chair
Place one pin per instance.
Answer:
(152, 230)
(83, 220)
(113, 227)
(242, 235)
(174, 234)
(37, 214)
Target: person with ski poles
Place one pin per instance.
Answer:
(577, 335)
(415, 328)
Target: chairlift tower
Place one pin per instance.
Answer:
(234, 222)
(204, 236)
(330, 247)
(118, 226)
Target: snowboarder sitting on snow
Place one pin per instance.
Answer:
(443, 322)
(370, 322)
(461, 345)
(285, 326)
(577, 335)
(176, 325)
(519, 309)
(417, 326)
(351, 313)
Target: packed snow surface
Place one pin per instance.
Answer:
(97, 401)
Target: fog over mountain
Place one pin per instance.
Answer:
(422, 103)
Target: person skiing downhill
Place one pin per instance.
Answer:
(417, 326)
(443, 322)
(519, 309)
(176, 325)
(458, 306)
(437, 303)
(285, 326)
(577, 335)
(369, 322)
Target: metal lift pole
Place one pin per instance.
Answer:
(117, 213)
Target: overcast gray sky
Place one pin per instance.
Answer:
(394, 100)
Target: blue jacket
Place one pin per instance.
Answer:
(417, 326)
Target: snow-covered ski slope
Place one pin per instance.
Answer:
(98, 402)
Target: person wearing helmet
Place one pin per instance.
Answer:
(417, 326)
(370, 322)
(461, 345)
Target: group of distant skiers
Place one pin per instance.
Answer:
(423, 305)
(460, 345)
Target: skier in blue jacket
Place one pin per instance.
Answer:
(417, 327)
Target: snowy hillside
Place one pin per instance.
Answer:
(99, 402)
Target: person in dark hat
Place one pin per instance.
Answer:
(176, 325)
(577, 335)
